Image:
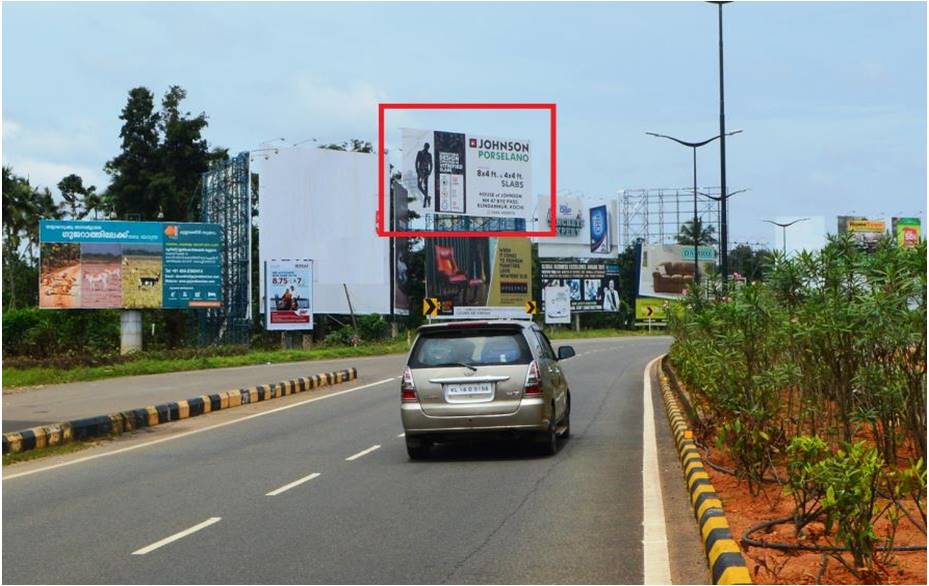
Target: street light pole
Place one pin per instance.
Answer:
(783, 227)
(724, 226)
(694, 146)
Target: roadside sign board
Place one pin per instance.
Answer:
(289, 294)
(651, 308)
(557, 305)
(129, 265)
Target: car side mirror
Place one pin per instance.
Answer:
(565, 352)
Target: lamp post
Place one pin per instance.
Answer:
(693, 146)
(783, 227)
(719, 199)
(724, 228)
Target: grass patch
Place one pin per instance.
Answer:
(46, 375)
(45, 452)
(22, 377)
(569, 334)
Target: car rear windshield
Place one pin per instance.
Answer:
(473, 347)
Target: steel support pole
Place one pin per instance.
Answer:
(724, 227)
(693, 226)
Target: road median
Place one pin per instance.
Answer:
(124, 421)
(723, 555)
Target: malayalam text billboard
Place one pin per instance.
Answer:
(130, 265)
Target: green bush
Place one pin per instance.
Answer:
(43, 333)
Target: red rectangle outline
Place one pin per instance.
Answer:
(379, 220)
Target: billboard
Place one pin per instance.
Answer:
(866, 232)
(402, 283)
(599, 230)
(667, 270)
(289, 294)
(321, 204)
(479, 277)
(907, 231)
(593, 285)
(586, 227)
(557, 304)
(468, 175)
(90, 264)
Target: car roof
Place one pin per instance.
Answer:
(502, 324)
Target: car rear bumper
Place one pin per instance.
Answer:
(531, 415)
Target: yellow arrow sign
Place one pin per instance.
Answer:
(649, 310)
(431, 306)
(532, 307)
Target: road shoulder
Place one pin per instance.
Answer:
(685, 547)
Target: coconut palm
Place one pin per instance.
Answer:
(704, 234)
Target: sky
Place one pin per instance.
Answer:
(831, 96)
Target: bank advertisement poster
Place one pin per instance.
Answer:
(593, 285)
(289, 294)
(90, 264)
(667, 270)
(907, 231)
(556, 300)
(479, 277)
(469, 175)
(599, 230)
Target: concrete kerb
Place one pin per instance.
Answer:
(152, 415)
(727, 566)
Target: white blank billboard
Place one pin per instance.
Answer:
(321, 204)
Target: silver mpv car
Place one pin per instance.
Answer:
(499, 377)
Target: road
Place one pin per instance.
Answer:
(322, 491)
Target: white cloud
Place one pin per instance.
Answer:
(47, 173)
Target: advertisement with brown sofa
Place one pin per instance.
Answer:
(667, 270)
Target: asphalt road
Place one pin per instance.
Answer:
(474, 513)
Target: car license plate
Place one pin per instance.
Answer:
(469, 390)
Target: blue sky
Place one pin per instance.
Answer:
(831, 96)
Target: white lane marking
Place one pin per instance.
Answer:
(402, 434)
(202, 429)
(297, 482)
(363, 452)
(657, 567)
(176, 536)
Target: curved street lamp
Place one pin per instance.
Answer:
(783, 227)
(694, 146)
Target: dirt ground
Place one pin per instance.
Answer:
(61, 288)
(769, 566)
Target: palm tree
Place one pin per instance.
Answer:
(704, 234)
(23, 207)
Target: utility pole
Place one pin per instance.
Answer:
(724, 223)
(783, 227)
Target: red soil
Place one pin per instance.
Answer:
(769, 566)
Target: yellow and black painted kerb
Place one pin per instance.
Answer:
(117, 423)
(722, 552)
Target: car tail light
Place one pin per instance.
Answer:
(407, 388)
(533, 380)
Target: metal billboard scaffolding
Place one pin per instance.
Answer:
(225, 200)
(656, 215)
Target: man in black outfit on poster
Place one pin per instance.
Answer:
(423, 170)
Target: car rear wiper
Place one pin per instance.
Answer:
(465, 364)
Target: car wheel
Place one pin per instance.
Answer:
(417, 449)
(548, 439)
(566, 421)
